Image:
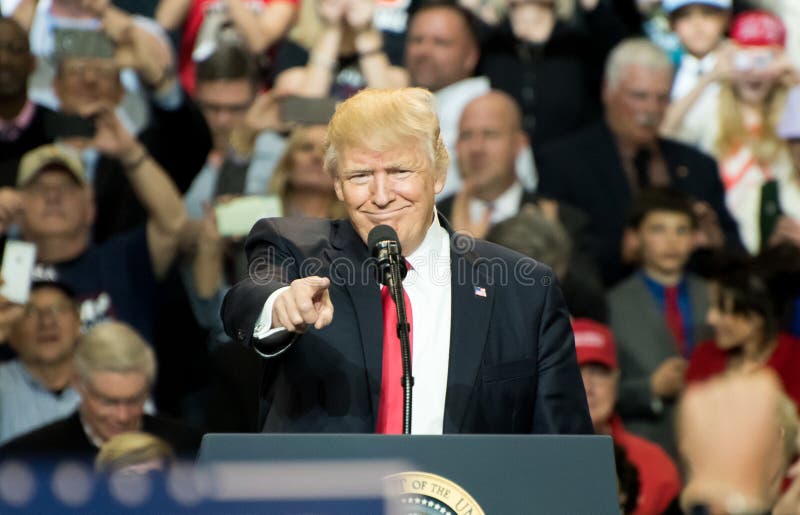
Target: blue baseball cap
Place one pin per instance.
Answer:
(670, 6)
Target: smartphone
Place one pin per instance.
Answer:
(307, 111)
(237, 217)
(62, 125)
(83, 43)
(19, 258)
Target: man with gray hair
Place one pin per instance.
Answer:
(601, 168)
(114, 372)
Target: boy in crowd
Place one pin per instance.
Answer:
(657, 314)
(700, 26)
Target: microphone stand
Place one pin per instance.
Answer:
(395, 281)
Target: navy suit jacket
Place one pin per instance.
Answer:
(586, 171)
(512, 365)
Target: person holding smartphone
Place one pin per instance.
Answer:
(738, 126)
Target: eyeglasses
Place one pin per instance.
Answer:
(106, 70)
(32, 311)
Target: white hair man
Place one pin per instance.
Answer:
(114, 372)
(601, 168)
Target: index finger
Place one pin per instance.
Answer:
(313, 284)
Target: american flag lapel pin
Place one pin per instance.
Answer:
(480, 292)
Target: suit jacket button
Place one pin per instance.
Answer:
(240, 334)
(683, 172)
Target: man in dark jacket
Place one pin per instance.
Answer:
(601, 168)
(114, 371)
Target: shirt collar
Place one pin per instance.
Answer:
(93, 438)
(692, 65)
(429, 243)
(503, 207)
(10, 130)
(657, 286)
(433, 254)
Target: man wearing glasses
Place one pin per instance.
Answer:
(35, 387)
(114, 370)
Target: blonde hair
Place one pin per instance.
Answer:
(634, 52)
(733, 134)
(114, 347)
(280, 185)
(380, 119)
(132, 448)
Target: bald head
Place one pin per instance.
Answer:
(489, 138)
(500, 104)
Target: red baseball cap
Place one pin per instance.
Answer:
(594, 343)
(759, 29)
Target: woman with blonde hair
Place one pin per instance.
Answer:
(299, 180)
(739, 126)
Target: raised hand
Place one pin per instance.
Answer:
(332, 11)
(112, 138)
(11, 202)
(460, 217)
(359, 14)
(669, 378)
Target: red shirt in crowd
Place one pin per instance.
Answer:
(659, 481)
(708, 360)
(194, 20)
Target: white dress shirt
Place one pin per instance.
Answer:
(503, 207)
(689, 72)
(428, 287)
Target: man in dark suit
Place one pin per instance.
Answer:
(114, 371)
(601, 168)
(490, 139)
(492, 348)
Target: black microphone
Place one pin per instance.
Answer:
(385, 247)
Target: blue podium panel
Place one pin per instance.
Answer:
(492, 474)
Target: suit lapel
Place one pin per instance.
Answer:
(364, 293)
(469, 325)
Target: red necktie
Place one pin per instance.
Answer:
(390, 407)
(672, 313)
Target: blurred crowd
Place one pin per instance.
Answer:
(647, 150)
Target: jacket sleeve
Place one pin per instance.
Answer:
(270, 266)
(560, 398)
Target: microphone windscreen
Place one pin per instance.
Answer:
(380, 233)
